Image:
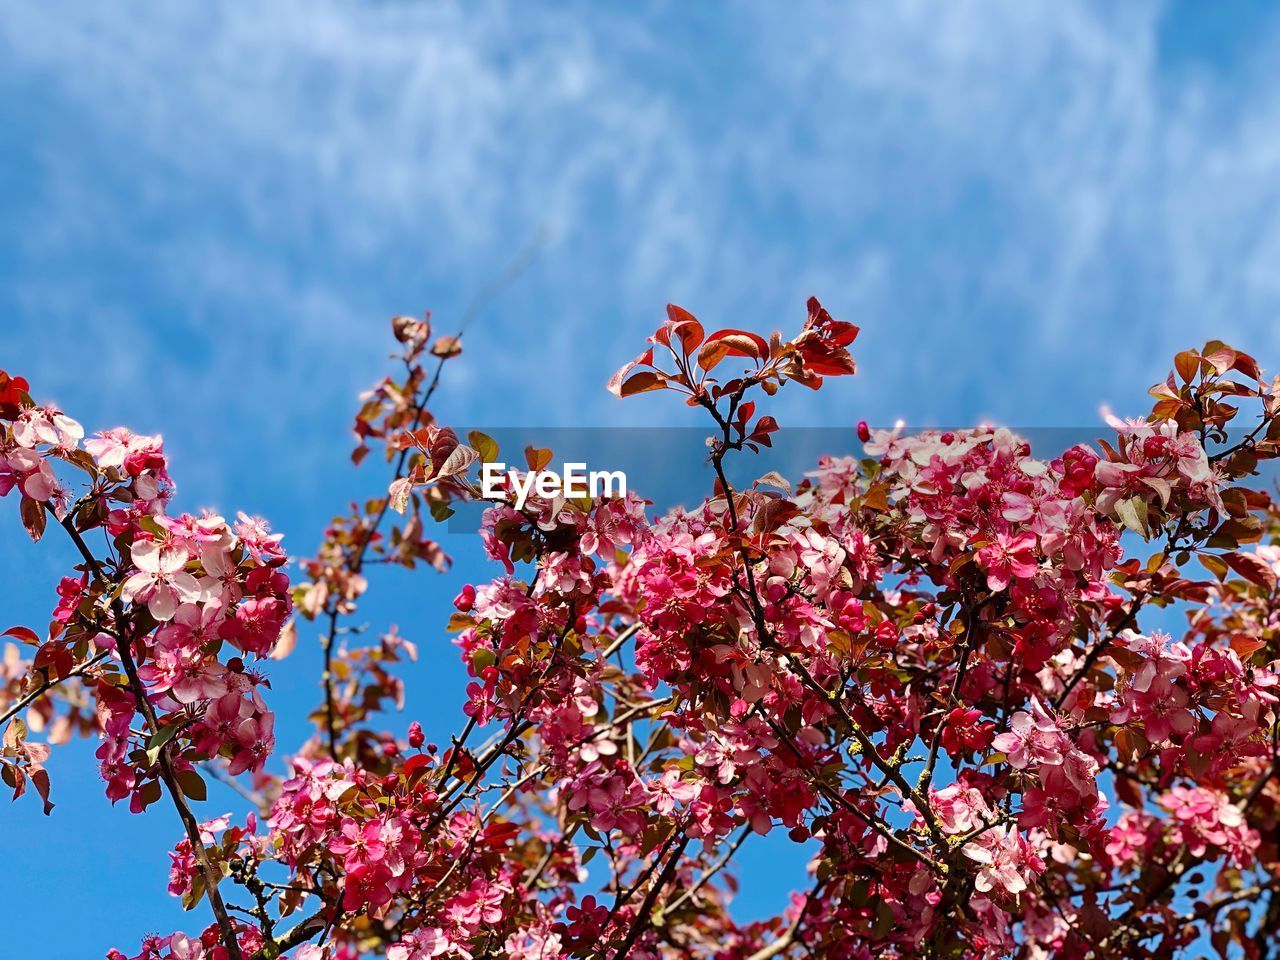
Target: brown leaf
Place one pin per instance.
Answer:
(775, 479)
(732, 343)
(537, 457)
(399, 494)
(287, 641)
(643, 382)
(615, 382)
(1245, 647)
(458, 462)
(484, 445)
(446, 347)
(33, 518)
(1187, 363)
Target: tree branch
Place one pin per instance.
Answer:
(124, 644)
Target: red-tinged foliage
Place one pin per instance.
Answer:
(13, 390)
(933, 665)
(820, 350)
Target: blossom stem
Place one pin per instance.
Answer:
(31, 697)
(643, 917)
(124, 644)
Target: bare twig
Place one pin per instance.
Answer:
(32, 696)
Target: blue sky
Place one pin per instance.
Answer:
(210, 213)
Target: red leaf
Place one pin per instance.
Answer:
(25, 634)
(12, 389)
(415, 763)
(1128, 791)
(18, 778)
(1247, 365)
(1252, 567)
(764, 426)
(1187, 364)
(684, 326)
(826, 361)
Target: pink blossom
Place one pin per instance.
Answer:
(1008, 557)
(1007, 862)
(29, 471)
(160, 582)
(1034, 738)
(254, 740)
(959, 809)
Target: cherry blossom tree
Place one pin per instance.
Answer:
(933, 666)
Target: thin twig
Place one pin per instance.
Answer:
(190, 825)
(29, 698)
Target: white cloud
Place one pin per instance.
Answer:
(1026, 212)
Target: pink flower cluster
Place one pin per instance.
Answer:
(1200, 705)
(191, 590)
(930, 665)
(208, 585)
(1153, 462)
(1066, 776)
(1033, 532)
(1208, 824)
(25, 461)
